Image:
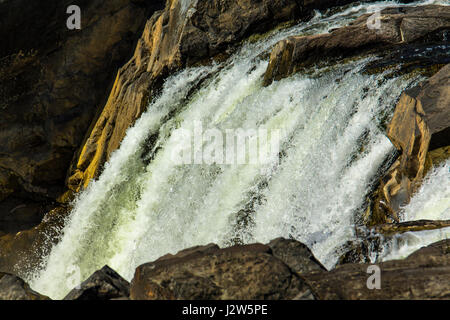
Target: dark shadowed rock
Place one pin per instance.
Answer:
(423, 275)
(240, 272)
(52, 81)
(398, 27)
(105, 284)
(296, 255)
(14, 288)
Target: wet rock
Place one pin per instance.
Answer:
(105, 284)
(240, 272)
(423, 275)
(22, 252)
(397, 27)
(296, 255)
(14, 288)
(421, 124)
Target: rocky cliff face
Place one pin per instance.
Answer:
(52, 82)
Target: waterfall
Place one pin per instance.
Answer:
(333, 145)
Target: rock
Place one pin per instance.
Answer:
(209, 273)
(52, 81)
(372, 241)
(176, 37)
(105, 284)
(436, 158)
(411, 226)
(423, 275)
(296, 255)
(22, 252)
(421, 124)
(14, 288)
(398, 28)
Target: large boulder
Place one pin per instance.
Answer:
(14, 288)
(209, 273)
(423, 275)
(52, 82)
(420, 125)
(398, 27)
(104, 284)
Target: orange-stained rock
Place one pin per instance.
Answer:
(420, 125)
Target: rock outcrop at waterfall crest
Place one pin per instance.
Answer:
(398, 27)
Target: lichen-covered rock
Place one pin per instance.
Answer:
(14, 288)
(423, 275)
(240, 272)
(398, 27)
(421, 124)
(104, 284)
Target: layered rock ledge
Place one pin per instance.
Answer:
(398, 27)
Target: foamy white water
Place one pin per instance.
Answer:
(144, 206)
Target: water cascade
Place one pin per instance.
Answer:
(332, 149)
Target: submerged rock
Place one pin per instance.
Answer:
(104, 284)
(14, 288)
(240, 272)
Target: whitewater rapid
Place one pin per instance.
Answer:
(144, 206)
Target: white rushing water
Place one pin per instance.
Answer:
(144, 206)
